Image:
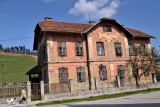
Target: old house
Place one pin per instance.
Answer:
(85, 53)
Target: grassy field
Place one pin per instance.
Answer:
(15, 67)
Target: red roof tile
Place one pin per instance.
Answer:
(63, 27)
(78, 28)
(138, 33)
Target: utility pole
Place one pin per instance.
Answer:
(2, 68)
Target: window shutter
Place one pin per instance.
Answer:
(81, 74)
(100, 72)
(121, 71)
(130, 49)
(143, 49)
(146, 70)
(104, 73)
(62, 48)
(118, 49)
(100, 50)
(79, 49)
(63, 75)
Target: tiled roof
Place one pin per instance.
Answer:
(34, 70)
(138, 33)
(63, 27)
(78, 28)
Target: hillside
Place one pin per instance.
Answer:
(15, 67)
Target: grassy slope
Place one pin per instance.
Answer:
(16, 66)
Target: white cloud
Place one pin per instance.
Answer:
(47, 1)
(95, 8)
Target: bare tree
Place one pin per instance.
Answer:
(142, 59)
(156, 62)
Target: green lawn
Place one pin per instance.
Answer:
(15, 67)
(92, 98)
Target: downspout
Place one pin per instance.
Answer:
(88, 63)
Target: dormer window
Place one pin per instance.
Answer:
(107, 28)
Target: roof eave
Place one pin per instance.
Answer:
(36, 37)
(61, 32)
(86, 31)
(145, 37)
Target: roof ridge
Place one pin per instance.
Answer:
(67, 22)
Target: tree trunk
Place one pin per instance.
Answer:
(137, 82)
(137, 79)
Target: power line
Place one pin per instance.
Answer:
(16, 39)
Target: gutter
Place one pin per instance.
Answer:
(88, 64)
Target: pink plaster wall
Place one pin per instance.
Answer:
(109, 59)
(71, 61)
(70, 47)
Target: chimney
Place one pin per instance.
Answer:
(48, 19)
(92, 22)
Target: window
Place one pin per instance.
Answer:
(62, 48)
(120, 71)
(103, 73)
(146, 70)
(63, 75)
(100, 48)
(143, 49)
(79, 49)
(132, 51)
(81, 74)
(107, 28)
(118, 49)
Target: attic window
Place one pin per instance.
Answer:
(107, 28)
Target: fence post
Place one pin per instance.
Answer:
(42, 90)
(118, 81)
(154, 78)
(71, 85)
(96, 83)
(29, 91)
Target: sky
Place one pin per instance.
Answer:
(18, 18)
